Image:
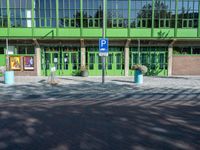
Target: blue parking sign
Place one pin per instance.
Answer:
(103, 47)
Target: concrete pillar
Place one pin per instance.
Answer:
(83, 53)
(38, 58)
(83, 58)
(170, 54)
(126, 67)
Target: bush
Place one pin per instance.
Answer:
(142, 68)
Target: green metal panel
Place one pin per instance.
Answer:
(91, 32)
(20, 32)
(163, 33)
(140, 33)
(117, 32)
(2, 60)
(69, 32)
(187, 33)
(45, 32)
(3, 32)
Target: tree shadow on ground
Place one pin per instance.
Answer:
(75, 125)
(90, 90)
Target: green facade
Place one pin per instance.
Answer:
(50, 23)
(76, 19)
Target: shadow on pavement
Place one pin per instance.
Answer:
(91, 90)
(60, 125)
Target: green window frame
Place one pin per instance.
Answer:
(69, 13)
(141, 14)
(117, 14)
(45, 13)
(3, 14)
(93, 13)
(24, 50)
(188, 13)
(20, 13)
(164, 14)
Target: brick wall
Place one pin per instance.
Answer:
(186, 65)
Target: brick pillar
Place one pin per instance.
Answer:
(38, 58)
(170, 54)
(83, 58)
(126, 67)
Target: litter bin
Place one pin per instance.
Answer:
(9, 77)
(138, 77)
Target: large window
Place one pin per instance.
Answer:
(164, 13)
(45, 13)
(188, 13)
(20, 13)
(117, 13)
(141, 13)
(25, 50)
(69, 13)
(92, 13)
(3, 14)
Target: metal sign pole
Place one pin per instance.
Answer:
(7, 59)
(103, 35)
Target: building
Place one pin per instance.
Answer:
(164, 35)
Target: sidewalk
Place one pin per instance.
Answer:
(91, 88)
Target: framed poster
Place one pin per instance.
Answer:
(28, 62)
(15, 62)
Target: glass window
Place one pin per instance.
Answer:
(188, 13)
(69, 13)
(45, 13)
(117, 13)
(3, 14)
(20, 13)
(1, 50)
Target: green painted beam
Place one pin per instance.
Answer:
(81, 15)
(33, 18)
(153, 18)
(199, 21)
(8, 14)
(129, 18)
(176, 20)
(57, 18)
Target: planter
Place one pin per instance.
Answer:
(9, 77)
(85, 73)
(138, 77)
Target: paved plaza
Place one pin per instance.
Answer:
(91, 88)
(82, 114)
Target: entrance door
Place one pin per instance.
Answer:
(115, 64)
(154, 58)
(51, 59)
(94, 64)
(70, 63)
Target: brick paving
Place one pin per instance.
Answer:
(70, 88)
(82, 114)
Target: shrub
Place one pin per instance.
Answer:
(142, 68)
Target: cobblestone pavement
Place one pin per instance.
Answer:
(115, 88)
(82, 114)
